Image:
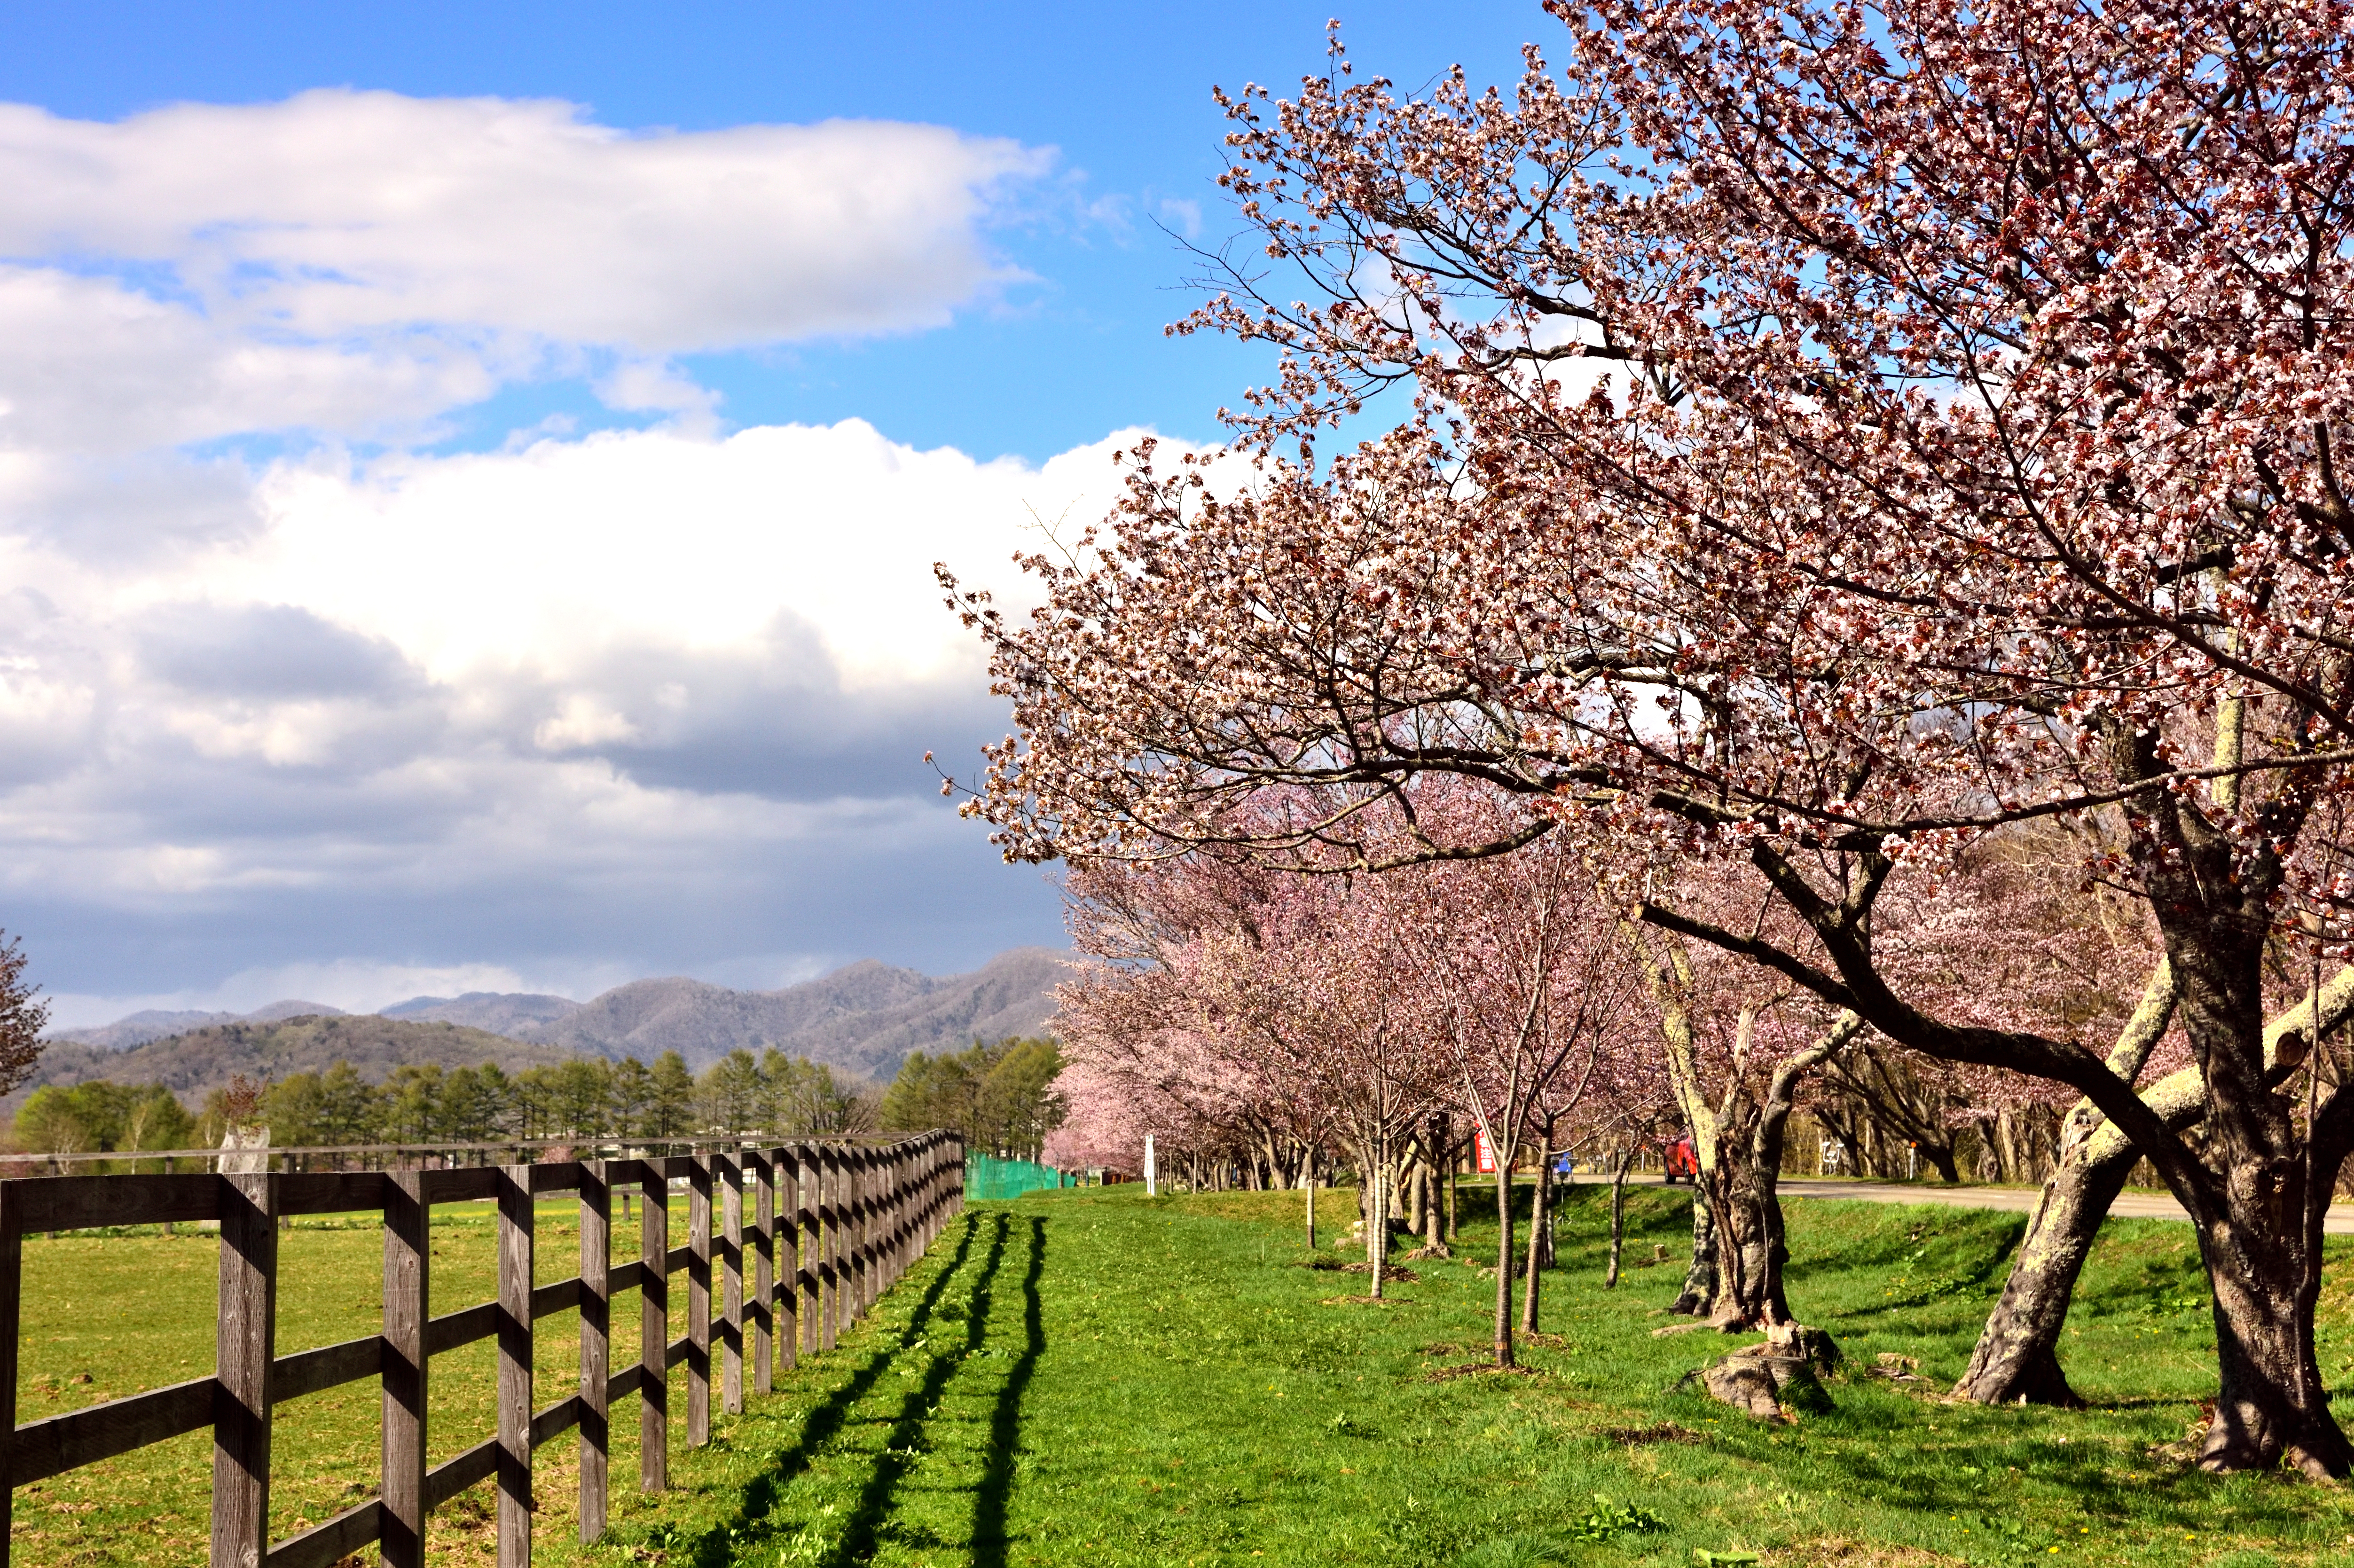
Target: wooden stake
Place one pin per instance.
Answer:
(247, 1342)
(698, 1298)
(515, 1367)
(596, 1344)
(408, 1302)
(653, 1332)
(730, 1175)
(764, 1274)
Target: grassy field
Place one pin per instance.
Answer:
(1092, 1377)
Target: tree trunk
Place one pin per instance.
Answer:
(1540, 1213)
(1745, 1191)
(1503, 1257)
(1377, 1237)
(2017, 1360)
(1617, 1214)
(1699, 1293)
(1307, 1185)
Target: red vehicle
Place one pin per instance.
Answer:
(1680, 1161)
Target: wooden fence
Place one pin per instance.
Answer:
(833, 1224)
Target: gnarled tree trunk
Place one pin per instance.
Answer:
(2017, 1358)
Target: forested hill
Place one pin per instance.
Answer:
(153, 1024)
(864, 1019)
(201, 1060)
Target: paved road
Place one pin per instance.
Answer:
(2339, 1220)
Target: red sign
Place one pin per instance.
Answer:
(1485, 1153)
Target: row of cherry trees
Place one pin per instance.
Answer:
(1812, 439)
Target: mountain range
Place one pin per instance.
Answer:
(864, 1019)
(195, 1062)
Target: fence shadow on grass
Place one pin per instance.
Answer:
(989, 1542)
(859, 1537)
(718, 1546)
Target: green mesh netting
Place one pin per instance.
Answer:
(987, 1177)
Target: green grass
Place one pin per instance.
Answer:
(1093, 1377)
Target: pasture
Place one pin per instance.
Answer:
(1092, 1377)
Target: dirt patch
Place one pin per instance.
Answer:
(1354, 1301)
(1476, 1369)
(1546, 1342)
(1638, 1437)
(1845, 1552)
(1389, 1271)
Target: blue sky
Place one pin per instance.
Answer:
(450, 539)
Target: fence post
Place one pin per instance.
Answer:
(812, 1185)
(596, 1344)
(698, 1298)
(829, 1176)
(870, 1274)
(654, 1330)
(764, 1272)
(12, 1296)
(245, 1344)
(910, 1167)
(515, 1367)
(853, 1236)
(786, 1301)
(730, 1172)
(407, 1302)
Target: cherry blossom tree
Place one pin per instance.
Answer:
(1524, 987)
(1828, 434)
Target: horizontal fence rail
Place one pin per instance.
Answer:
(832, 1226)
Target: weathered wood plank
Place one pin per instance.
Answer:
(86, 1203)
(326, 1367)
(452, 1329)
(331, 1191)
(596, 1329)
(468, 1184)
(623, 1383)
(555, 1176)
(730, 1178)
(12, 1293)
(627, 1277)
(60, 1442)
(698, 1303)
(322, 1545)
(242, 1365)
(653, 1332)
(452, 1476)
(408, 1303)
(560, 1295)
(764, 1271)
(555, 1420)
(812, 1223)
(787, 1299)
(516, 1226)
(829, 1268)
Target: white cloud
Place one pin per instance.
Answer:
(576, 661)
(550, 560)
(354, 727)
(351, 262)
